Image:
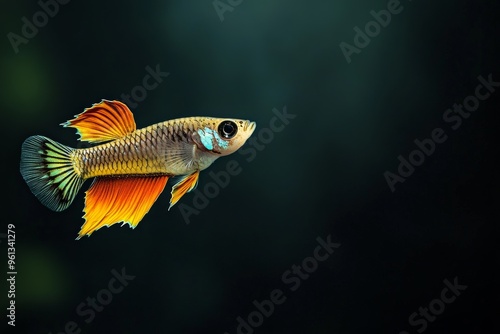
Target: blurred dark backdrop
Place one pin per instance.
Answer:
(322, 175)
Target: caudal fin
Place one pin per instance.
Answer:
(47, 168)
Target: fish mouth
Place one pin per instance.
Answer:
(250, 126)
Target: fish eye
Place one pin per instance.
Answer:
(227, 129)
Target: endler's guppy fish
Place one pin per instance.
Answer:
(131, 166)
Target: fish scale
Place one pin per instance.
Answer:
(142, 152)
(137, 154)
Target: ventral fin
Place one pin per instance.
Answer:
(104, 121)
(185, 185)
(114, 200)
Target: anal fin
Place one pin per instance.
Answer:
(113, 200)
(185, 185)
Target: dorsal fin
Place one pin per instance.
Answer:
(104, 121)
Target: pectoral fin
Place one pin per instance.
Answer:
(185, 185)
(104, 121)
(114, 200)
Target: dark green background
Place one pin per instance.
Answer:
(322, 175)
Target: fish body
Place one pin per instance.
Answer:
(130, 166)
(170, 148)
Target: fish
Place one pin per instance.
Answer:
(130, 167)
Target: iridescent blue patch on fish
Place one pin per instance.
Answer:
(206, 137)
(221, 142)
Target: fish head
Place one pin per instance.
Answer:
(223, 136)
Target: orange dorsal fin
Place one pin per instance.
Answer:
(104, 121)
(185, 185)
(114, 200)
